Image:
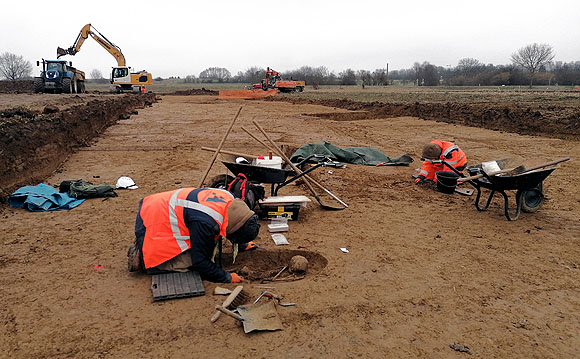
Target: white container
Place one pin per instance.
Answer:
(277, 227)
(490, 166)
(275, 162)
(279, 239)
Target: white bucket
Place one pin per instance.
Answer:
(275, 162)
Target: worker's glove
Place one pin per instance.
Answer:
(236, 278)
(250, 246)
(419, 179)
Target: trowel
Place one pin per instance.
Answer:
(260, 316)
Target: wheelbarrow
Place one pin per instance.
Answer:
(526, 181)
(278, 178)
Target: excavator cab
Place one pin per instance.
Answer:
(119, 72)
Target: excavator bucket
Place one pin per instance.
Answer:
(248, 94)
(60, 52)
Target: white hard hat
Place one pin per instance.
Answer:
(242, 160)
(125, 182)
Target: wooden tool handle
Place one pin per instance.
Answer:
(227, 302)
(464, 179)
(285, 158)
(219, 147)
(229, 312)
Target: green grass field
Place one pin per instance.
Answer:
(396, 94)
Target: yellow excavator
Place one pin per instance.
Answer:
(122, 79)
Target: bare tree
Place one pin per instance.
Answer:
(347, 77)
(532, 57)
(365, 76)
(218, 74)
(380, 77)
(96, 74)
(14, 67)
(468, 67)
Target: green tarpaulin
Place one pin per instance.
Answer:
(357, 155)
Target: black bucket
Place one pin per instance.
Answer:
(446, 181)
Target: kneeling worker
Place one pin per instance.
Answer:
(178, 230)
(440, 150)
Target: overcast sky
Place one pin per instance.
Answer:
(178, 38)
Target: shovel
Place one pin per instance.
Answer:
(261, 316)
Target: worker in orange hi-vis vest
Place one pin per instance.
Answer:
(179, 230)
(440, 150)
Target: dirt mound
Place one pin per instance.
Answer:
(552, 121)
(19, 86)
(34, 143)
(195, 92)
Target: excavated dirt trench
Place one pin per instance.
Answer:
(264, 265)
(547, 120)
(33, 143)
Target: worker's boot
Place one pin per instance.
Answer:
(133, 259)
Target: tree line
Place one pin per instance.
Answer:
(531, 64)
(468, 72)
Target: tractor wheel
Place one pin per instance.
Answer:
(67, 86)
(80, 87)
(38, 85)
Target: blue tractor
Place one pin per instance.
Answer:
(59, 77)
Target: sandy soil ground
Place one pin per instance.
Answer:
(425, 270)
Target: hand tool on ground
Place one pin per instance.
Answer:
(307, 179)
(236, 298)
(219, 147)
(261, 316)
(286, 304)
(517, 170)
(267, 295)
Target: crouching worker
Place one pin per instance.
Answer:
(179, 230)
(440, 150)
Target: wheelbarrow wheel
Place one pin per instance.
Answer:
(221, 181)
(531, 199)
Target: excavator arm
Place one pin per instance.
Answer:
(87, 31)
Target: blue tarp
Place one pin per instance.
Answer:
(41, 198)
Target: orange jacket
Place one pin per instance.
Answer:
(167, 217)
(451, 153)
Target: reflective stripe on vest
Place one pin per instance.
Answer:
(174, 201)
(449, 149)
